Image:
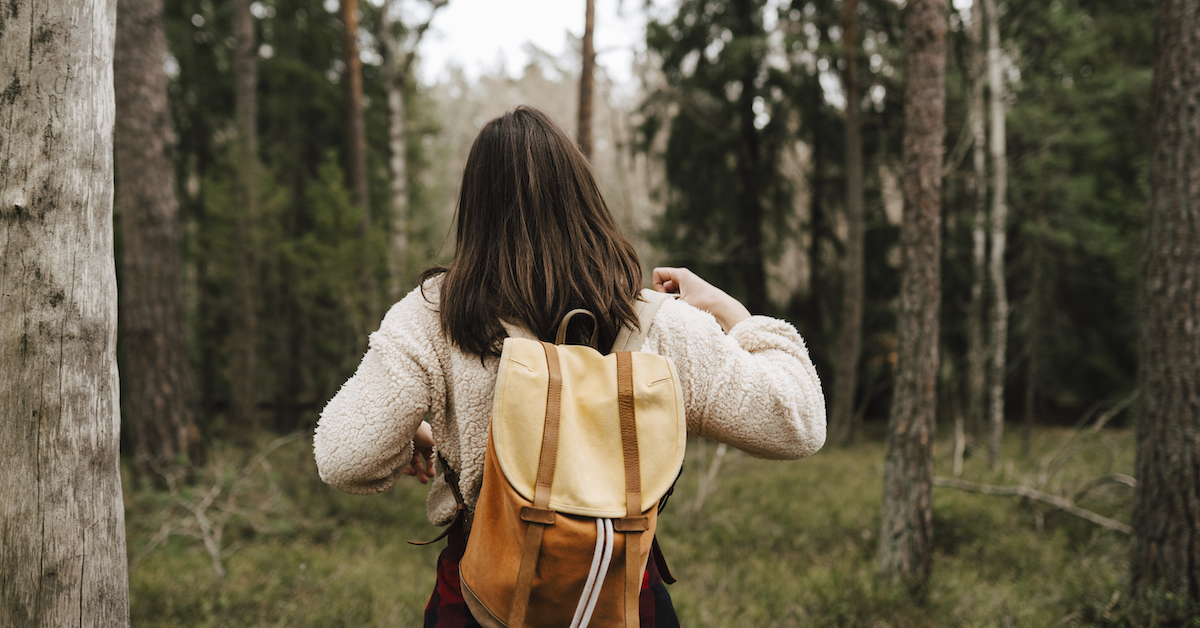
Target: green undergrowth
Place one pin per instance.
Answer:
(772, 544)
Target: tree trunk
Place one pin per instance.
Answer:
(999, 223)
(845, 377)
(977, 352)
(393, 81)
(1035, 326)
(157, 390)
(1165, 556)
(587, 81)
(244, 328)
(63, 561)
(356, 142)
(397, 64)
(905, 540)
(750, 215)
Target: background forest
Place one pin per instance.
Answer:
(316, 175)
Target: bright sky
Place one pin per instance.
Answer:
(478, 34)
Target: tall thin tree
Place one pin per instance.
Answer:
(157, 387)
(977, 353)
(63, 560)
(356, 139)
(748, 24)
(845, 376)
(999, 224)
(587, 80)
(1165, 554)
(397, 64)
(906, 531)
(244, 328)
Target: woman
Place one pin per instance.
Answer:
(534, 241)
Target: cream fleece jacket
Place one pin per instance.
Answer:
(754, 389)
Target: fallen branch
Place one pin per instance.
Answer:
(1112, 478)
(1061, 503)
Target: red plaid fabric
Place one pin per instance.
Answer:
(446, 608)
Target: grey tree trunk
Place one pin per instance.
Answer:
(906, 531)
(999, 223)
(397, 64)
(356, 139)
(845, 376)
(63, 560)
(977, 352)
(157, 387)
(1165, 554)
(244, 331)
(393, 82)
(587, 80)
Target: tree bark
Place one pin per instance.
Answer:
(393, 81)
(845, 377)
(750, 215)
(1165, 555)
(63, 561)
(157, 387)
(977, 352)
(1033, 353)
(587, 81)
(356, 139)
(397, 64)
(905, 540)
(999, 223)
(244, 328)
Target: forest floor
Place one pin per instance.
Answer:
(772, 544)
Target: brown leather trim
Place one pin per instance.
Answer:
(633, 488)
(524, 585)
(548, 457)
(631, 524)
(661, 561)
(458, 512)
(535, 515)
(561, 336)
(541, 498)
(478, 610)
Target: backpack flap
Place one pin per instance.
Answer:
(589, 479)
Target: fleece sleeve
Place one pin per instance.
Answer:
(364, 435)
(755, 388)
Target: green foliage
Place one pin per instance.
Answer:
(777, 543)
(320, 278)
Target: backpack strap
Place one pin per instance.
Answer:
(646, 306)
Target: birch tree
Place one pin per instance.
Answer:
(999, 223)
(63, 531)
(397, 65)
(977, 353)
(906, 530)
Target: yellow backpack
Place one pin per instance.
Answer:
(582, 448)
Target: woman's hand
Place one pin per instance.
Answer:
(421, 465)
(699, 293)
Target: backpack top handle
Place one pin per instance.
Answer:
(561, 338)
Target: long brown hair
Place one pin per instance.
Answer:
(534, 240)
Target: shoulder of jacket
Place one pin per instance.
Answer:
(675, 317)
(416, 313)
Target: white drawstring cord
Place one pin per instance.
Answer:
(591, 579)
(608, 552)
